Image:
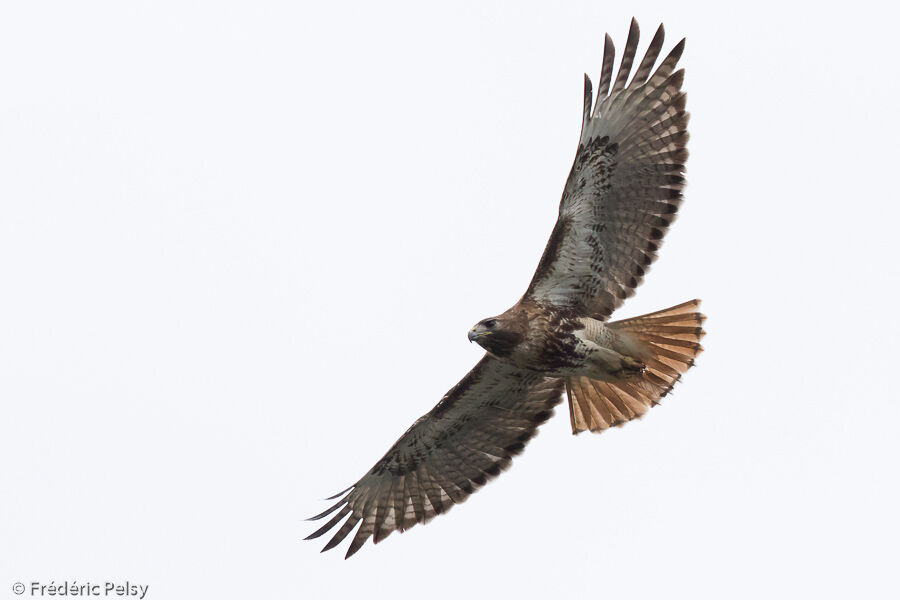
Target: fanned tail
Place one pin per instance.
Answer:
(669, 340)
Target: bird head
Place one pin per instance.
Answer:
(497, 335)
(484, 328)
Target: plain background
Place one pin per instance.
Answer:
(241, 245)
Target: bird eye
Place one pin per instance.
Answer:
(490, 323)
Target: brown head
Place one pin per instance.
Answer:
(500, 335)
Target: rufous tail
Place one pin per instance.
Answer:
(669, 341)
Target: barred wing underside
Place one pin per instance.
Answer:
(624, 187)
(468, 438)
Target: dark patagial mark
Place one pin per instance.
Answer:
(551, 252)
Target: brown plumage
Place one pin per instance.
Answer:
(621, 195)
(671, 340)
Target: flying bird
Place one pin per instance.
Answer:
(620, 198)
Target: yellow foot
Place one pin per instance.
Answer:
(631, 366)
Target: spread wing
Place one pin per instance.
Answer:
(468, 438)
(625, 186)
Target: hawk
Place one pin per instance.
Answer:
(623, 192)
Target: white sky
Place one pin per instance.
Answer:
(241, 245)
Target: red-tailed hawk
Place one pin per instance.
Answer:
(622, 194)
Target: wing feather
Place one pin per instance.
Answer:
(345, 529)
(625, 185)
(609, 57)
(634, 33)
(448, 454)
(640, 76)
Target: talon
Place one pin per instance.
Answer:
(632, 366)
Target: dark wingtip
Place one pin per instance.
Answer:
(331, 523)
(326, 512)
(588, 102)
(341, 493)
(315, 534)
(358, 542)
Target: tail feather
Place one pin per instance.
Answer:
(669, 341)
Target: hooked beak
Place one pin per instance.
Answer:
(474, 335)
